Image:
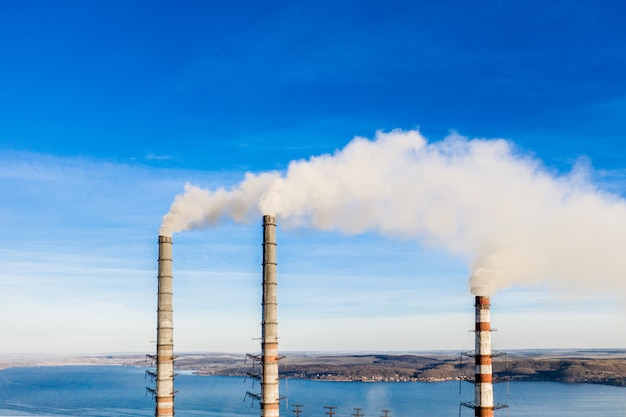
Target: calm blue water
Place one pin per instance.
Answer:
(120, 391)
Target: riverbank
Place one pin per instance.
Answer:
(606, 367)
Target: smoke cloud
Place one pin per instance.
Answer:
(482, 199)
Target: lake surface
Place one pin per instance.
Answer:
(107, 391)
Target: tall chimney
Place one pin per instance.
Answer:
(483, 398)
(165, 333)
(270, 400)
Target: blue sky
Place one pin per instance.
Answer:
(109, 108)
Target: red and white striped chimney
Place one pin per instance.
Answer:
(270, 399)
(483, 400)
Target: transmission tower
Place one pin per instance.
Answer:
(298, 409)
(330, 411)
(357, 412)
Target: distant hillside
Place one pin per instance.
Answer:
(570, 366)
(574, 367)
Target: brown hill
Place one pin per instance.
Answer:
(570, 368)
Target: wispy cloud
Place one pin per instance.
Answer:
(154, 157)
(80, 248)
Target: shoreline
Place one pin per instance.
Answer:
(605, 367)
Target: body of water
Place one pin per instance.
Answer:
(107, 391)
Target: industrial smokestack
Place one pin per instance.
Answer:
(483, 403)
(270, 400)
(483, 399)
(165, 333)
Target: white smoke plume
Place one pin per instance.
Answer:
(478, 198)
(197, 208)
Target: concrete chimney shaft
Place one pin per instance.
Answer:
(483, 400)
(270, 400)
(165, 333)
